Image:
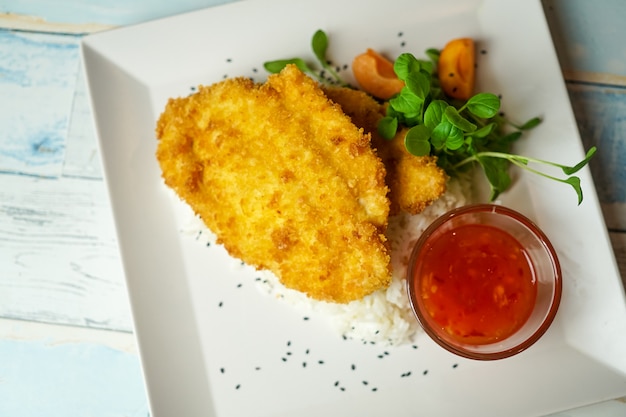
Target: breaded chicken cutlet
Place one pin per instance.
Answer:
(414, 182)
(285, 181)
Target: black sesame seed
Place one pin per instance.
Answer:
(353, 367)
(374, 389)
(402, 43)
(257, 368)
(284, 359)
(342, 388)
(304, 364)
(386, 353)
(239, 285)
(456, 365)
(336, 383)
(306, 352)
(288, 353)
(425, 371)
(345, 67)
(222, 370)
(483, 51)
(451, 74)
(381, 356)
(255, 70)
(229, 60)
(221, 304)
(305, 318)
(414, 346)
(208, 244)
(400, 34)
(365, 383)
(289, 343)
(320, 362)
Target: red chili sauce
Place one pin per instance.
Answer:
(478, 283)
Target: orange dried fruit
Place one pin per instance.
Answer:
(375, 75)
(456, 68)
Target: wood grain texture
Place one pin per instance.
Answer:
(589, 35)
(59, 260)
(37, 78)
(599, 111)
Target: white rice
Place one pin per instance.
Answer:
(384, 316)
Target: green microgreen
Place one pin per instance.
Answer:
(319, 45)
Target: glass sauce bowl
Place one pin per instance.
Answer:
(484, 281)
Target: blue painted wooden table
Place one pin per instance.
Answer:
(66, 342)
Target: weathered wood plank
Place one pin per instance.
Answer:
(37, 78)
(588, 35)
(59, 260)
(599, 111)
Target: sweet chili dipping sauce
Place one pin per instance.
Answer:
(477, 283)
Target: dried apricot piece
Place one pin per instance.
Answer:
(375, 75)
(456, 68)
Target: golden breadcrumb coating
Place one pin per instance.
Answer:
(284, 179)
(414, 182)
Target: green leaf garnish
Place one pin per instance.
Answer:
(387, 127)
(484, 105)
(416, 140)
(275, 67)
(453, 116)
(434, 113)
(571, 170)
(319, 45)
(419, 84)
(404, 65)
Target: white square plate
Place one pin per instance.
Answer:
(212, 345)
